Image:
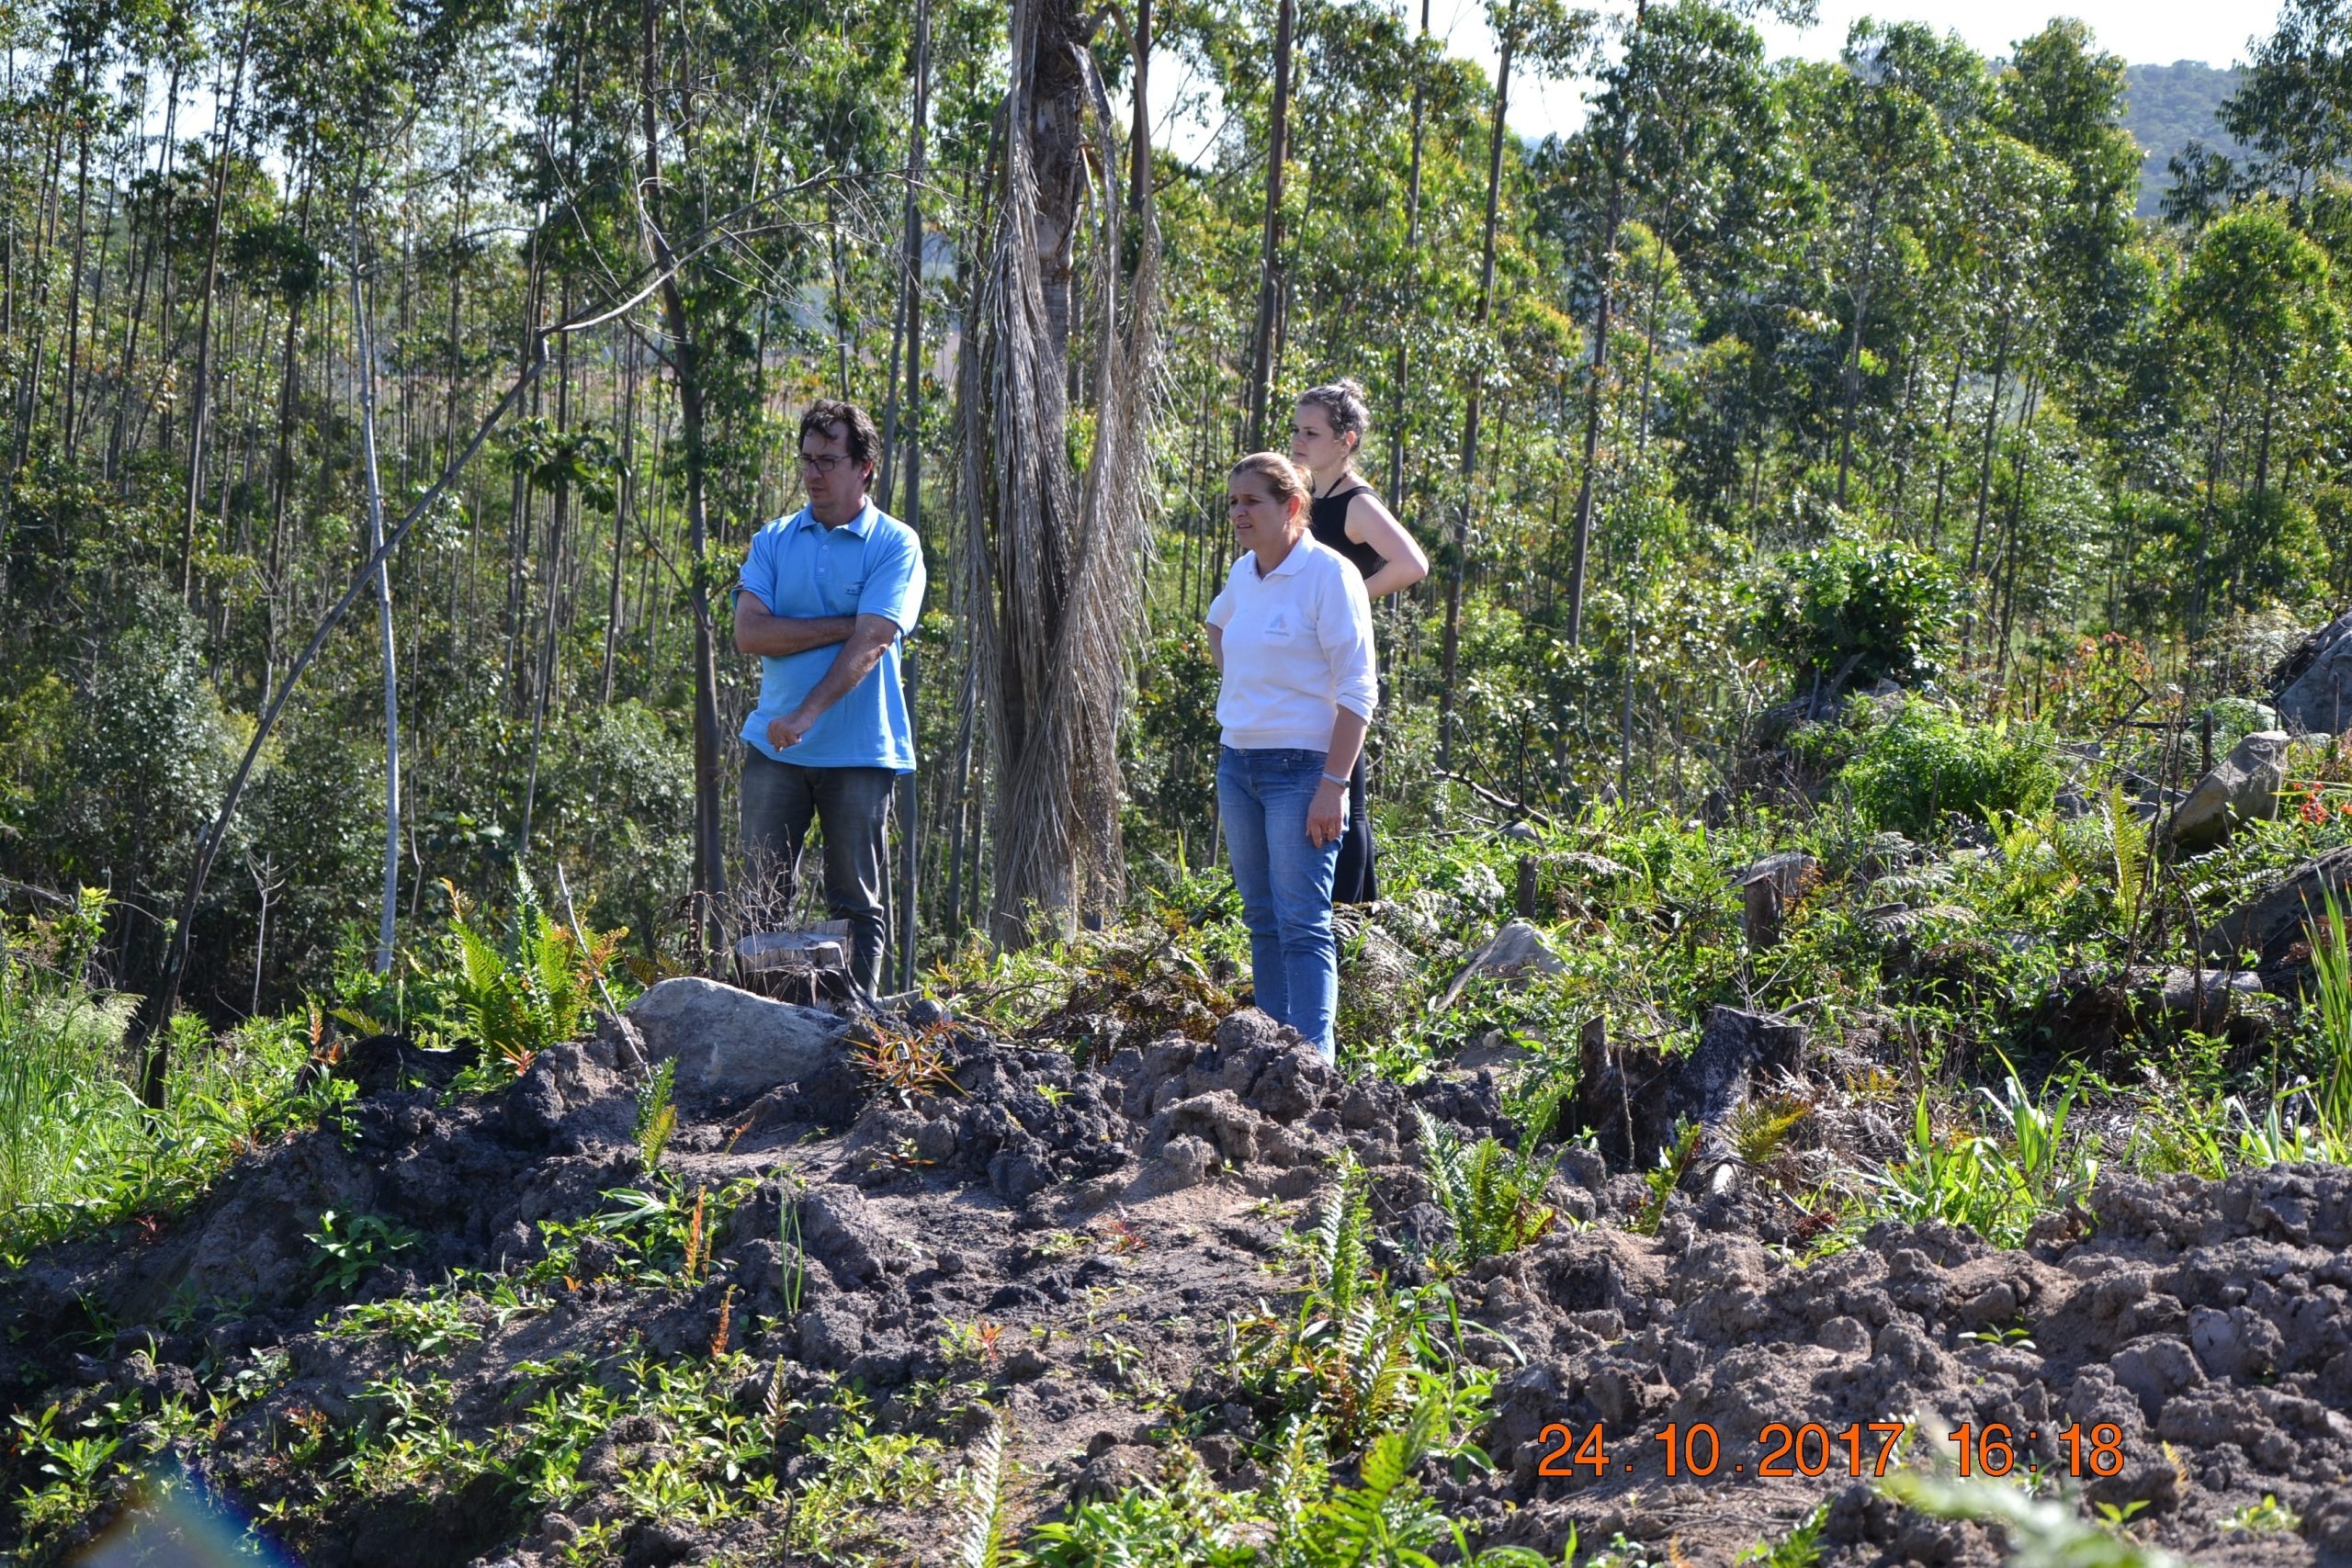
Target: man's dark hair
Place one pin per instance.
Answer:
(857, 426)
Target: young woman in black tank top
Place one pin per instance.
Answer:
(1325, 432)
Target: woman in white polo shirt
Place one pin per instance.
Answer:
(1291, 634)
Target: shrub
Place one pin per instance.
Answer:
(1926, 761)
(1880, 606)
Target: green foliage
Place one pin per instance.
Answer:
(1801, 1548)
(1926, 761)
(2330, 948)
(1357, 1353)
(535, 988)
(981, 1542)
(657, 1117)
(1996, 1185)
(1857, 609)
(352, 1246)
(650, 1236)
(2042, 1532)
(1298, 1519)
(78, 1151)
(1494, 1197)
(2268, 1516)
(1673, 1163)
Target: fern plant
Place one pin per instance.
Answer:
(1662, 1179)
(1493, 1196)
(657, 1116)
(2128, 843)
(1387, 1519)
(1350, 1357)
(530, 990)
(979, 1536)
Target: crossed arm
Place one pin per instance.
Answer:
(863, 639)
(758, 631)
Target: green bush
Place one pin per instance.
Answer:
(1926, 761)
(78, 1151)
(1880, 606)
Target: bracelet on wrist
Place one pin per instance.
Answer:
(1328, 779)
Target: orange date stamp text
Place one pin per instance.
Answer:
(1781, 1450)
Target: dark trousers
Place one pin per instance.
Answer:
(779, 800)
(1354, 881)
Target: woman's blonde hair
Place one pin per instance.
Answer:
(1283, 481)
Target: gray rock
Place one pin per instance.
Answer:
(1515, 951)
(1184, 1162)
(2241, 787)
(2316, 693)
(730, 1043)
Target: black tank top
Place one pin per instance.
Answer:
(1327, 521)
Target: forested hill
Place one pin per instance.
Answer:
(2165, 108)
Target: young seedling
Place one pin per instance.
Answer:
(657, 1117)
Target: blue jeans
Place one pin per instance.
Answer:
(1285, 884)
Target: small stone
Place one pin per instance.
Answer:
(1847, 1336)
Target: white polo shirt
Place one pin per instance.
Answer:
(1298, 650)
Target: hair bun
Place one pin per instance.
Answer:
(1343, 403)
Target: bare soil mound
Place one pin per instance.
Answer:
(513, 1345)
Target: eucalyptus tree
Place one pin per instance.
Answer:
(1621, 111)
(1550, 35)
(2292, 109)
(1888, 146)
(2258, 337)
(2063, 97)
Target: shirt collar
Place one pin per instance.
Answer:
(1291, 562)
(858, 526)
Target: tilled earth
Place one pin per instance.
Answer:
(1069, 1247)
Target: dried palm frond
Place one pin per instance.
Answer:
(1055, 559)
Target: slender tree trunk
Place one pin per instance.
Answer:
(150, 247)
(1595, 397)
(1649, 349)
(1453, 643)
(200, 387)
(560, 514)
(1412, 257)
(1984, 456)
(710, 878)
(623, 508)
(1261, 342)
(1851, 374)
(364, 349)
(1943, 455)
(907, 332)
(1139, 138)
(72, 369)
(910, 815)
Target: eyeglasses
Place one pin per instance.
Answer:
(818, 462)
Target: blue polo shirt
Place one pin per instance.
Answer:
(871, 565)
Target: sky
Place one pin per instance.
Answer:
(2144, 32)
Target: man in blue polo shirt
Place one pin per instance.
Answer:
(824, 598)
